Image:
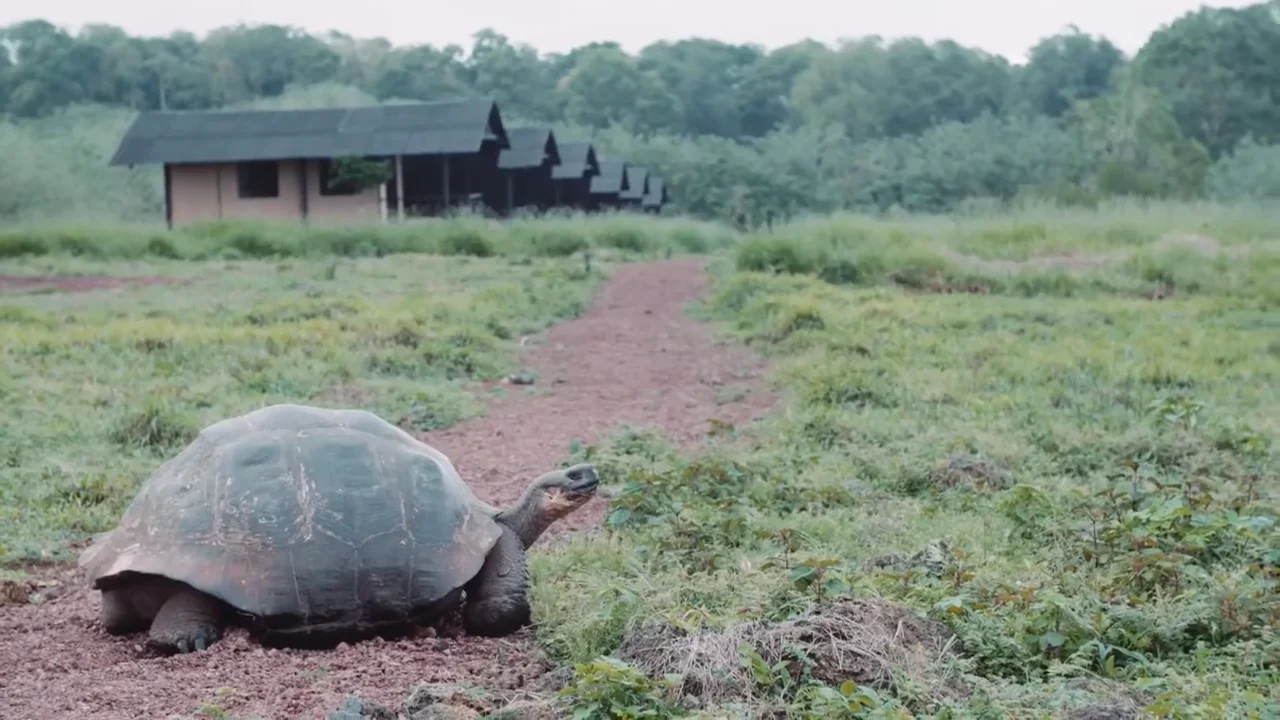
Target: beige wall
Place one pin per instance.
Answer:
(209, 192)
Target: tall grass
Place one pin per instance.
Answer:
(1137, 249)
(1082, 484)
(458, 236)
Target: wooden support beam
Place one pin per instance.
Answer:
(446, 182)
(399, 189)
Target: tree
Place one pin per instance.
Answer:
(1137, 144)
(705, 77)
(1220, 70)
(606, 88)
(1066, 68)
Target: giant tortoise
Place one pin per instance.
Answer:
(314, 526)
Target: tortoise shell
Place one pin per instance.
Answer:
(304, 516)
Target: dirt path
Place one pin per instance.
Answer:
(632, 358)
(77, 283)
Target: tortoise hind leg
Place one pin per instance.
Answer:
(498, 597)
(189, 620)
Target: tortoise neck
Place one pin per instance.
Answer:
(525, 519)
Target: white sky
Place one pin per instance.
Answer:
(1008, 27)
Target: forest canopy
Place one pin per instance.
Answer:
(868, 125)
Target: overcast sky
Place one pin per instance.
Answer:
(1007, 27)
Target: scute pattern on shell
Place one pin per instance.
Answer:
(305, 515)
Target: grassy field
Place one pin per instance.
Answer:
(1073, 468)
(1069, 464)
(95, 391)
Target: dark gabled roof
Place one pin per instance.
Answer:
(657, 195)
(577, 160)
(612, 178)
(436, 128)
(638, 180)
(530, 147)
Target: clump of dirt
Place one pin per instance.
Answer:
(445, 701)
(939, 284)
(964, 470)
(35, 583)
(78, 283)
(933, 560)
(866, 640)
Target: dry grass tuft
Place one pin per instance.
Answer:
(866, 640)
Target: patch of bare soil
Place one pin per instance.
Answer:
(76, 283)
(1074, 263)
(633, 357)
(863, 640)
(1085, 262)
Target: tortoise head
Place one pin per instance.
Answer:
(550, 497)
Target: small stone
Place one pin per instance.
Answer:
(355, 708)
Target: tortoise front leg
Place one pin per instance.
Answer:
(120, 615)
(498, 596)
(189, 620)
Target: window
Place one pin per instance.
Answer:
(328, 187)
(259, 179)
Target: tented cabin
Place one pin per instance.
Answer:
(637, 187)
(526, 169)
(656, 198)
(282, 164)
(608, 185)
(571, 179)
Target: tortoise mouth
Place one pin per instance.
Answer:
(583, 480)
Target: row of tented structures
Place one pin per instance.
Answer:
(365, 163)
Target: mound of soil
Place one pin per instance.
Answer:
(865, 640)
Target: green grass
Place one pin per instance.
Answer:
(1125, 251)
(463, 235)
(1076, 479)
(1099, 470)
(100, 387)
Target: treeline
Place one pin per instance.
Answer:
(740, 133)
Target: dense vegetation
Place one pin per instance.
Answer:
(1074, 473)
(741, 133)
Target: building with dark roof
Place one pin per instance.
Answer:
(571, 179)
(656, 198)
(526, 168)
(607, 187)
(637, 187)
(277, 163)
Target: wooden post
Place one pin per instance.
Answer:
(511, 200)
(399, 190)
(382, 201)
(304, 207)
(446, 183)
(168, 194)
